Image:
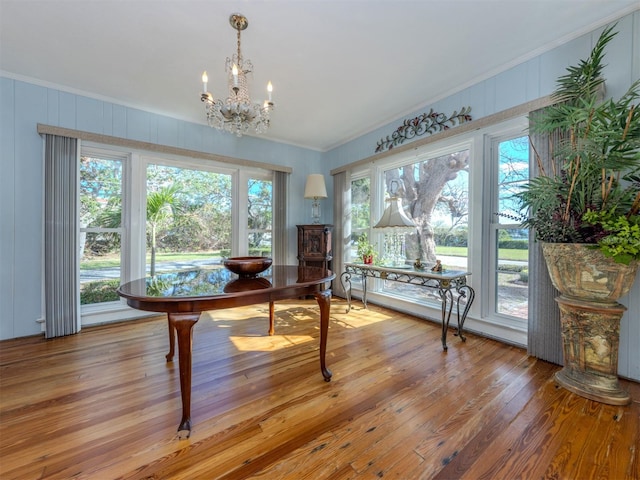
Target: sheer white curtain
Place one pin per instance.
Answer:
(544, 333)
(279, 240)
(62, 299)
(342, 225)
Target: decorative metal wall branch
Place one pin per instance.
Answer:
(427, 123)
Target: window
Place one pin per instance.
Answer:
(509, 242)
(360, 213)
(259, 216)
(101, 232)
(188, 218)
(360, 220)
(435, 193)
(140, 214)
(459, 192)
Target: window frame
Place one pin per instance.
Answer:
(375, 288)
(492, 139)
(123, 230)
(133, 250)
(480, 187)
(360, 175)
(244, 177)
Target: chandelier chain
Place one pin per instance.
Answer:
(239, 53)
(237, 113)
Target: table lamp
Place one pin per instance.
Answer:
(315, 189)
(395, 223)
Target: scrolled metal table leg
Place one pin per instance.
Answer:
(447, 299)
(364, 290)
(344, 279)
(464, 291)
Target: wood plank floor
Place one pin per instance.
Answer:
(104, 404)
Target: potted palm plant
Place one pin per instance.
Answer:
(584, 207)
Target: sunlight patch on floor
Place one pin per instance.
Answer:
(361, 316)
(268, 344)
(288, 314)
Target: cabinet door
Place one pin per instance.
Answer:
(314, 243)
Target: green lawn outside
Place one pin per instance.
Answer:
(107, 262)
(505, 253)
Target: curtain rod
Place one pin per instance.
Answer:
(154, 147)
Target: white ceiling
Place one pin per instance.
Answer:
(340, 68)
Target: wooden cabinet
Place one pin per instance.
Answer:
(314, 245)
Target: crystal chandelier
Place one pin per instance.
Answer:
(237, 114)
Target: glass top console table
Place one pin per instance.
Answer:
(445, 283)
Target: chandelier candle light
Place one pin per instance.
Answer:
(315, 189)
(237, 114)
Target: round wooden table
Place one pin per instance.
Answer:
(184, 295)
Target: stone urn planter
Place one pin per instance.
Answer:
(590, 285)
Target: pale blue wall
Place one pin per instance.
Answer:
(23, 106)
(520, 84)
(523, 83)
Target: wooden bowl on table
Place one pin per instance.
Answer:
(247, 267)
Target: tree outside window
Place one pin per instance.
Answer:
(435, 194)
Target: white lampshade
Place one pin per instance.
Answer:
(394, 216)
(315, 187)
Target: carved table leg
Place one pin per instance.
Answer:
(272, 328)
(172, 340)
(183, 324)
(324, 302)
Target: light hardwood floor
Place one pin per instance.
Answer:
(104, 404)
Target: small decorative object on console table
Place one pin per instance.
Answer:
(444, 283)
(365, 250)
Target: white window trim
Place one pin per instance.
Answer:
(246, 175)
(133, 261)
(94, 314)
(492, 139)
(480, 319)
